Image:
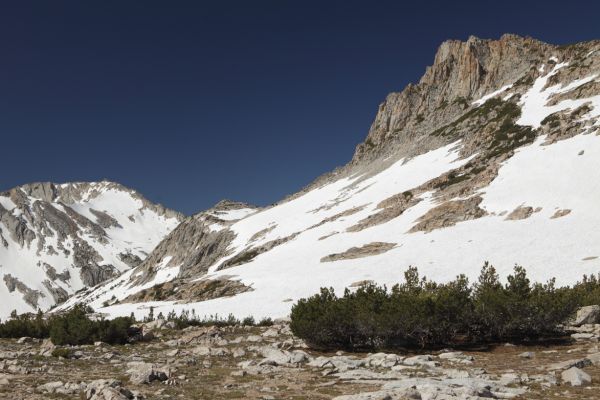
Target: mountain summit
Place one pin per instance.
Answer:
(57, 239)
(494, 155)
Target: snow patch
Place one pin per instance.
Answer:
(534, 106)
(485, 98)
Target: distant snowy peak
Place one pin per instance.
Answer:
(494, 155)
(58, 238)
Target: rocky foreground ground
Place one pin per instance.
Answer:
(270, 363)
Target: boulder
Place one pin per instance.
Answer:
(238, 352)
(254, 338)
(50, 387)
(575, 376)
(587, 315)
(211, 351)
(340, 363)
(578, 363)
(46, 348)
(594, 358)
(298, 357)
(59, 387)
(274, 356)
(583, 336)
(456, 357)
(271, 332)
(148, 335)
(107, 389)
(383, 360)
(141, 372)
(110, 393)
(424, 360)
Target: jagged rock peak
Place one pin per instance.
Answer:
(72, 192)
(462, 71)
(227, 204)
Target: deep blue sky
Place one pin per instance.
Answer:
(190, 102)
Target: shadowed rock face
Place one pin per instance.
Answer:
(30, 296)
(197, 243)
(52, 233)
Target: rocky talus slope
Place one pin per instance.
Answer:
(58, 239)
(248, 362)
(493, 155)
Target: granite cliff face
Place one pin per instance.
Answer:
(493, 155)
(461, 73)
(199, 241)
(57, 239)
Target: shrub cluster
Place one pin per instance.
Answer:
(422, 313)
(75, 327)
(187, 318)
(25, 325)
(71, 328)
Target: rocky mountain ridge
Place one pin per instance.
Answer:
(461, 72)
(248, 362)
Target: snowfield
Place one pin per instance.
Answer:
(561, 238)
(552, 177)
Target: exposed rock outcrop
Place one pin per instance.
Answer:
(449, 214)
(461, 72)
(371, 249)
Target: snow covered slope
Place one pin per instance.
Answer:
(57, 239)
(505, 169)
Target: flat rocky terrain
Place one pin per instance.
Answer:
(270, 363)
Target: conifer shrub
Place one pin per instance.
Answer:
(421, 313)
(71, 328)
(265, 322)
(24, 325)
(187, 318)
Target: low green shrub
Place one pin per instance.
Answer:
(71, 328)
(265, 322)
(24, 325)
(61, 352)
(422, 313)
(187, 318)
